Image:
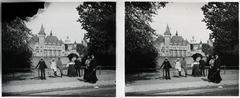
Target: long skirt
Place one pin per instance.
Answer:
(196, 71)
(216, 76)
(210, 72)
(71, 71)
(85, 76)
(92, 75)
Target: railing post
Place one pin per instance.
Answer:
(100, 69)
(224, 69)
(138, 71)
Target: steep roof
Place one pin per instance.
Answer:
(51, 39)
(160, 39)
(177, 39)
(34, 38)
(41, 32)
(167, 32)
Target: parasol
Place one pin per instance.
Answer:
(194, 56)
(71, 55)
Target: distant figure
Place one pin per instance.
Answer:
(216, 69)
(178, 66)
(60, 66)
(202, 66)
(86, 71)
(210, 71)
(53, 66)
(166, 65)
(42, 65)
(92, 70)
(195, 65)
(184, 66)
(78, 66)
(71, 69)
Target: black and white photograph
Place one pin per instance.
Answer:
(181, 49)
(55, 49)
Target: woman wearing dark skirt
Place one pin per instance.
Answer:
(86, 71)
(210, 71)
(71, 69)
(195, 65)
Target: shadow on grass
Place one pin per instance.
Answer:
(130, 78)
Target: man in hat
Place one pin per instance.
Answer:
(78, 66)
(93, 67)
(202, 67)
(217, 65)
(184, 66)
(166, 65)
(60, 66)
(42, 65)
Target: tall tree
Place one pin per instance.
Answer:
(222, 19)
(16, 52)
(99, 20)
(82, 50)
(139, 51)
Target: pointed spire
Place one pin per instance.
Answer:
(176, 33)
(192, 37)
(42, 32)
(67, 37)
(167, 32)
(51, 33)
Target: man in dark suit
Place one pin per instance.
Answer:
(42, 65)
(166, 65)
(202, 66)
(93, 67)
(217, 67)
(78, 66)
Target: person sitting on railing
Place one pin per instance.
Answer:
(178, 66)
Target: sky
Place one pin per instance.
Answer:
(183, 17)
(61, 19)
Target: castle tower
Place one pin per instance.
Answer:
(41, 36)
(167, 36)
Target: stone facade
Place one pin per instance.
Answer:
(172, 46)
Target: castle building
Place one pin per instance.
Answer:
(46, 46)
(70, 47)
(172, 46)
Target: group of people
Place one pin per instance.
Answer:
(198, 66)
(74, 66)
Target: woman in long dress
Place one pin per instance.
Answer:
(210, 71)
(178, 66)
(195, 65)
(86, 71)
(71, 69)
(53, 67)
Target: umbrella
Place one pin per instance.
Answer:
(194, 56)
(71, 55)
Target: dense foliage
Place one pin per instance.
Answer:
(15, 50)
(139, 50)
(99, 20)
(222, 19)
